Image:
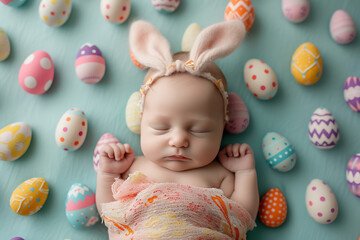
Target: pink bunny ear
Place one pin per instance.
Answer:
(149, 47)
(216, 41)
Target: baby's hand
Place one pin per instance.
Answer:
(116, 158)
(237, 157)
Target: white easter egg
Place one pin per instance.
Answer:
(342, 27)
(296, 10)
(106, 138)
(238, 115)
(321, 202)
(260, 79)
(71, 130)
(189, 36)
(4, 45)
(115, 11)
(55, 12)
(132, 113)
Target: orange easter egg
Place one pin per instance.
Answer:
(242, 10)
(273, 208)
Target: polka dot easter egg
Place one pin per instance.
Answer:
(238, 115)
(115, 11)
(260, 79)
(321, 202)
(353, 174)
(4, 45)
(13, 3)
(295, 10)
(189, 36)
(36, 74)
(55, 12)
(352, 93)
(14, 141)
(323, 129)
(278, 152)
(242, 10)
(167, 6)
(273, 208)
(29, 197)
(306, 64)
(132, 113)
(71, 130)
(342, 27)
(80, 206)
(90, 64)
(106, 138)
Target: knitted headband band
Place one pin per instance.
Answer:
(152, 50)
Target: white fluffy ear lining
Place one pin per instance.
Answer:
(216, 41)
(149, 47)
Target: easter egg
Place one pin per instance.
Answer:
(295, 10)
(238, 115)
(36, 74)
(90, 64)
(80, 205)
(55, 12)
(168, 6)
(135, 62)
(30, 196)
(342, 27)
(13, 3)
(4, 45)
(132, 113)
(71, 130)
(14, 141)
(273, 208)
(306, 64)
(278, 152)
(323, 129)
(352, 93)
(260, 79)
(353, 174)
(106, 138)
(115, 11)
(189, 36)
(242, 10)
(321, 202)
(17, 238)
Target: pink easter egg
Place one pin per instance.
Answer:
(238, 115)
(296, 10)
(166, 5)
(106, 138)
(342, 27)
(36, 74)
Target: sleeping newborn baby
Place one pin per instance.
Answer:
(182, 187)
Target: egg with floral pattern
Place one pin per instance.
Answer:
(273, 208)
(55, 12)
(115, 11)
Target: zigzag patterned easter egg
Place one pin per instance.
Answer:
(30, 196)
(132, 113)
(353, 174)
(106, 138)
(273, 208)
(323, 129)
(352, 93)
(238, 115)
(242, 10)
(306, 64)
(4, 45)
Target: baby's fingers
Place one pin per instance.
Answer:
(229, 150)
(236, 149)
(107, 151)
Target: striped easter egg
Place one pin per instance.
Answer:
(352, 93)
(353, 174)
(106, 138)
(323, 129)
(238, 115)
(342, 27)
(242, 10)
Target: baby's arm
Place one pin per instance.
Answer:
(239, 159)
(115, 159)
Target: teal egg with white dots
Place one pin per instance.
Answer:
(278, 152)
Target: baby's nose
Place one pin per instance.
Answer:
(179, 139)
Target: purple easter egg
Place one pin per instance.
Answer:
(353, 174)
(17, 238)
(352, 93)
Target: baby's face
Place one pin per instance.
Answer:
(182, 122)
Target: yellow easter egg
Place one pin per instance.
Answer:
(132, 113)
(306, 64)
(29, 197)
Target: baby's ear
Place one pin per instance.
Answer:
(216, 41)
(149, 47)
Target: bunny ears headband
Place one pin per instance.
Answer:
(151, 49)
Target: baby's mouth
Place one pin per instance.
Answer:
(177, 158)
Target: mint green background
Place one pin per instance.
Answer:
(272, 39)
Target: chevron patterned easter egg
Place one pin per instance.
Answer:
(29, 197)
(323, 129)
(296, 10)
(273, 208)
(106, 138)
(242, 10)
(278, 152)
(352, 93)
(353, 174)
(14, 141)
(81, 206)
(306, 64)
(132, 113)
(238, 115)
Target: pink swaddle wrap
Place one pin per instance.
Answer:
(147, 210)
